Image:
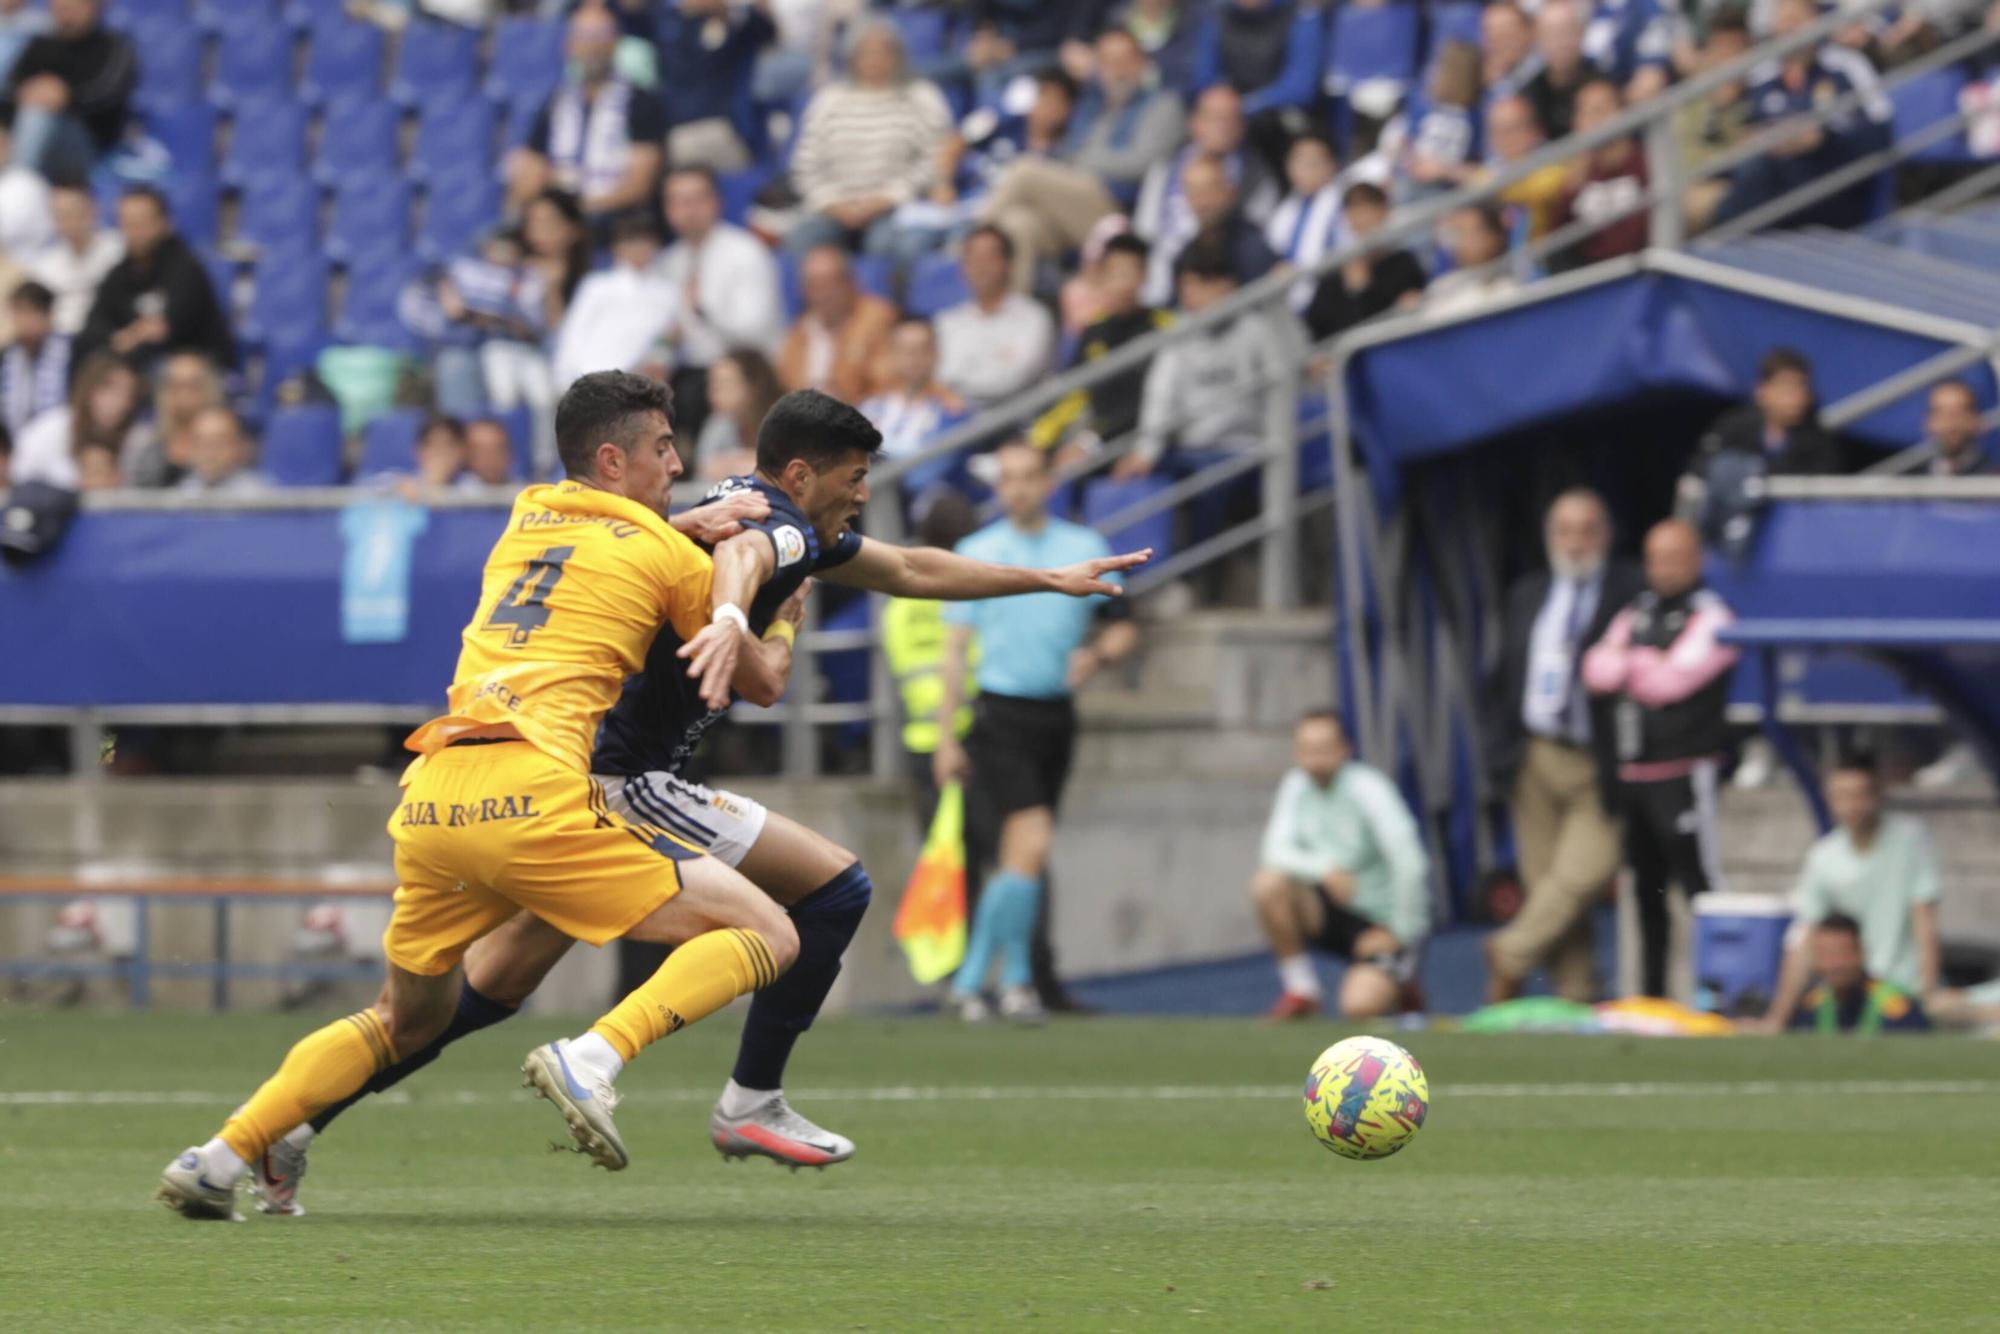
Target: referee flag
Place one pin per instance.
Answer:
(930, 922)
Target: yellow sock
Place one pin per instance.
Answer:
(319, 1071)
(697, 979)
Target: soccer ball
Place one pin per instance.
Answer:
(1366, 1098)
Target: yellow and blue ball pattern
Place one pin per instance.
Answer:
(1366, 1098)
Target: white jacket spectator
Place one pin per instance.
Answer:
(26, 222)
(74, 262)
(725, 279)
(999, 342)
(618, 314)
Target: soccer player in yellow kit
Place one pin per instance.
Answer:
(499, 811)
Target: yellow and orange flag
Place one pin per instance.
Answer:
(930, 921)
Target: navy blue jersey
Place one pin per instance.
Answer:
(660, 718)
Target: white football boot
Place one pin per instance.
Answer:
(587, 1107)
(275, 1180)
(185, 1188)
(773, 1130)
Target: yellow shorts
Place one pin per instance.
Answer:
(486, 830)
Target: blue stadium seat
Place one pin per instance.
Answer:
(456, 209)
(439, 60)
(195, 199)
(527, 61)
(222, 275)
(344, 59)
(1372, 42)
(520, 424)
(170, 73)
(375, 282)
(358, 138)
(1103, 497)
(288, 298)
(935, 282)
(876, 275)
(226, 18)
(1456, 21)
(131, 15)
(1921, 103)
(739, 190)
(389, 444)
(370, 213)
(452, 137)
(306, 15)
(520, 123)
(302, 445)
(187, 132)
(279, 212)
(926, 32)
(268, 135)
(253, 60)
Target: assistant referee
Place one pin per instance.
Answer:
(1035, 652)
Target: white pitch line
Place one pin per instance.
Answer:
(1086, 1093)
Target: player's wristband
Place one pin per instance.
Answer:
(784, 630)
(729, 611)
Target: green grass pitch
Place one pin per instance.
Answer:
(1097, 1175)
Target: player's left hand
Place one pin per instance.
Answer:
(724, 519)
(1086, 578)
(712, 656)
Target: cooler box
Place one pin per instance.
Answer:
(1739, 943)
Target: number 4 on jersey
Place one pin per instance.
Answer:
(523, 608)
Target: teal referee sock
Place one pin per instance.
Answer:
(1004, 925)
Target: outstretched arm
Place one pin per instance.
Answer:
(944, 576)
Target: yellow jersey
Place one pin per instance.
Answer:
(573, 594)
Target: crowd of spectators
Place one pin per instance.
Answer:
(715, 185)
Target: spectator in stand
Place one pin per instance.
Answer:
(1083, 298)
(997, 342)
(1219, 224)
(1441, 124)
(102, 411)
(803, 51)
(69, 89)
(619, 314)
(27, 222)
(990, 149)
(162, 449)
(1474, 236)
(1342, 869)
(1878, 870)
(495, 296)
(1711, 126)
(1168, 31)
(1607, 183)
(20, 23)
(1207, 392)
(1049, 204)
(598, 137)
(1307, 222)
(1564, 70)
(1270, 52)
(1164, 215)
(97, 469)
(868, 145)
(441, 455)
(224, 460)
(75, 263)
(1665, 675)
(1807, 80)
(1512, 133)
(1952, 422)
(838, 345)
(1632, 41)
(489, 452)
(1549, 752)
(157, 299)
(915, 408)
(34, 372)
(1507, 56)
(1776, 435)
(558, 250)
(1088, 419)
(1011, 38)
(1370, 285)
(726, 282)
(1848, 999)
(708, 53)
(742, 386)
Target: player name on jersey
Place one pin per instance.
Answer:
(457, 816)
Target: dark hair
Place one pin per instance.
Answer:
(1205, 259)
(32, 293)
(1365, 192)
(947, 518)
(1856, 762)
(1961, 386)
(819, 428)
(1730, 18)
(1005, 241)
(1489, 217)
(1320, 137)
(603, 406)
(1058, 78)
(636, 225)
(908, 318)
(760, 378)
(1841, 922)
(439, 421)
(147, 192)
(1128, 243)
(576, 259)
(1601, 81)
(701, 169)
(1779, 360)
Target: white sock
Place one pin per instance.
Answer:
(1297, 977)
(593, 1054)
(220, 1162)
(302, 1135)
(739, 1101)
